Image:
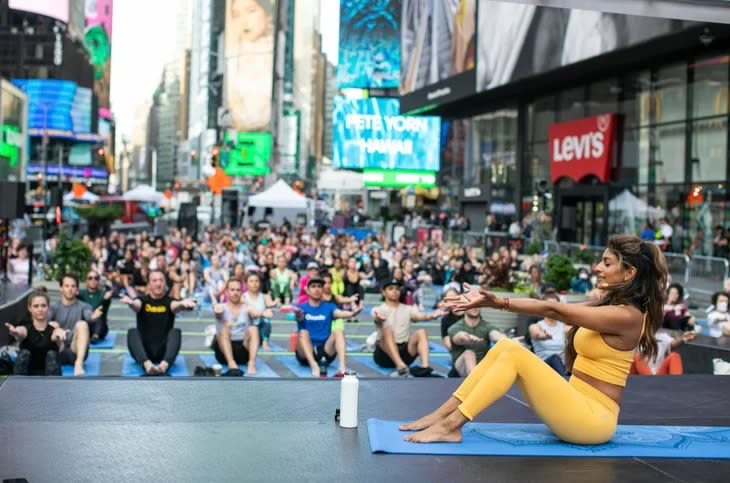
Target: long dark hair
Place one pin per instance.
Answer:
(645, 290)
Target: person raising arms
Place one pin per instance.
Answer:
(599, 350)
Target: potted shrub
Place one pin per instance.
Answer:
(70, 256)
(559, 271)
(100, 217)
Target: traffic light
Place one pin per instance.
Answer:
(101, 156)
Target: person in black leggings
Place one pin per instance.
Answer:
(154, 344)
(40, 341)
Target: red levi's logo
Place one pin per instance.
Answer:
(581, 148)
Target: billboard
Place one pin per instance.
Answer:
(249, 53)
(249, 155)
(519, 40)
(57, 9)
(98, 41)
(438, 51)
(369, 53)
(371, 134)
(60, 107)
(397, 179)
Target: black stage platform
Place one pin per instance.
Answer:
(113, 429)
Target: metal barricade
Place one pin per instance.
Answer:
(550, 247)
(678, 265)
(707, 276)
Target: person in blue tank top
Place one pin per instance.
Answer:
(317, 343)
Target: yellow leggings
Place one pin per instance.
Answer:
(574, 410)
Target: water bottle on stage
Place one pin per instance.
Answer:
(348, 400)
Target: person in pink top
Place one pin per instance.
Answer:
(312, 272)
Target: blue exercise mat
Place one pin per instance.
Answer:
(105, 343)
(369, 362)
(130, 368)
(437, 348)
(291, 363)
(274, 347)
(352, 346)
(262, 369)
(503, 439)
(91, 366)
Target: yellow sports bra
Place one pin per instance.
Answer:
(598, 359)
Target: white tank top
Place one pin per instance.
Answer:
(555, 345)
(238, 325)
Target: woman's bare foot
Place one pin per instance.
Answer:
(447, 408)
(265, 345)
(79, 369)
(441, 432)
(251, 368)
(422, 423)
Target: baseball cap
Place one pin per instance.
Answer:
(315, 280)
(392, 281)
(311, 265)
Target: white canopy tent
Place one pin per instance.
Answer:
(283, 201)
(629, 208)
(144, 192)
(87, 197)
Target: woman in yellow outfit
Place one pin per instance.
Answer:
(599, 349)
(338, 277)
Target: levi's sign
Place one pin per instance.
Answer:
(583, 147)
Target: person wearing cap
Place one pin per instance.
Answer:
(396, 347)
(317, 342)
(312, 272)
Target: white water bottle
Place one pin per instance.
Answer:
(348, 400)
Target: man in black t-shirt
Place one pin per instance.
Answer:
(154, 344)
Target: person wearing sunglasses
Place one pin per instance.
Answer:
(96, 297)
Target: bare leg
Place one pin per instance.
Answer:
(337, 343)
(224, 344)
(79, 346)
(304, 348)
(251, 341)
(418, 344)
(465, 363)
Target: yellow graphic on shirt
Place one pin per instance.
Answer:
(157, 309)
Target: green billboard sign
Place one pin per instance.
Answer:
(396, 178)
(249, 154)
(10, 143)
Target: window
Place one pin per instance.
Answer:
(668, 143)
(541, 113)
(670, 87)
(495, 135)
(709, 150)
(634, 166)
(572, 105)
(635, 99)
(710, 87)
(602, 98)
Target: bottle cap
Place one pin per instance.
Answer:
(350, 373)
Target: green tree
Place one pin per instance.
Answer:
(100, 217)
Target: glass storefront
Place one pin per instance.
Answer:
(672, 149)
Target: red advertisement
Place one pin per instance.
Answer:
(581, 148)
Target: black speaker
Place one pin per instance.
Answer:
(187, 217)
(268, 211)
(229, 207)
(251, 210)
(12, 200)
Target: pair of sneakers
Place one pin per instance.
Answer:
(405, 372)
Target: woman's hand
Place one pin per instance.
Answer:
(476, 297)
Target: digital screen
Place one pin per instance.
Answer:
(61, 107)
(519, 40)
(438, 51)
(249, 154)
(98, 38)
(249, 54)
(57, 9)
(369, 52)
(370, 133)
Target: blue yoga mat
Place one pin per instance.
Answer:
(262, 369)
(369, 362)
(352, 345)
(105, 343)
(274, 347)
(503, 439)
(130, 368)
(437, 348)
(299, 370)
(91, 366)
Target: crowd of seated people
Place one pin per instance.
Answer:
(246, 274)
